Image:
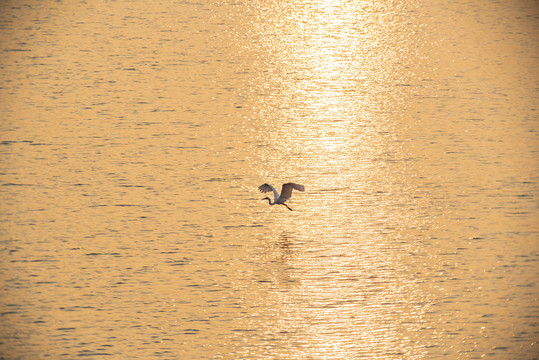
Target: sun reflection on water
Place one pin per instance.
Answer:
(320, 103)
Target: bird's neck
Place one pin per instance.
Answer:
(269, 201)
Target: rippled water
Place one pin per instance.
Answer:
(134, 137)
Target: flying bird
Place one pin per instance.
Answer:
(286, 193)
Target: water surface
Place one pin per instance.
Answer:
(134, 137)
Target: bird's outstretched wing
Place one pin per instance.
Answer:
(264, 188)
(286, 191)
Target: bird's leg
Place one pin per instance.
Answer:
(288, 207)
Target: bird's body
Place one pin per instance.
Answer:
(286, 193)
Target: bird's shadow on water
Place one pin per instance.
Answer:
(279, 257)
(284, 242)
(283, 248)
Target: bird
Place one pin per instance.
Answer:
(286, 193)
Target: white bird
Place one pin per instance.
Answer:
(286, 193)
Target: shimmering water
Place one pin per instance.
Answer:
(134, 136)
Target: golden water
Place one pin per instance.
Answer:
(134, 136)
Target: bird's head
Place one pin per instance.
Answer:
(269, 200)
